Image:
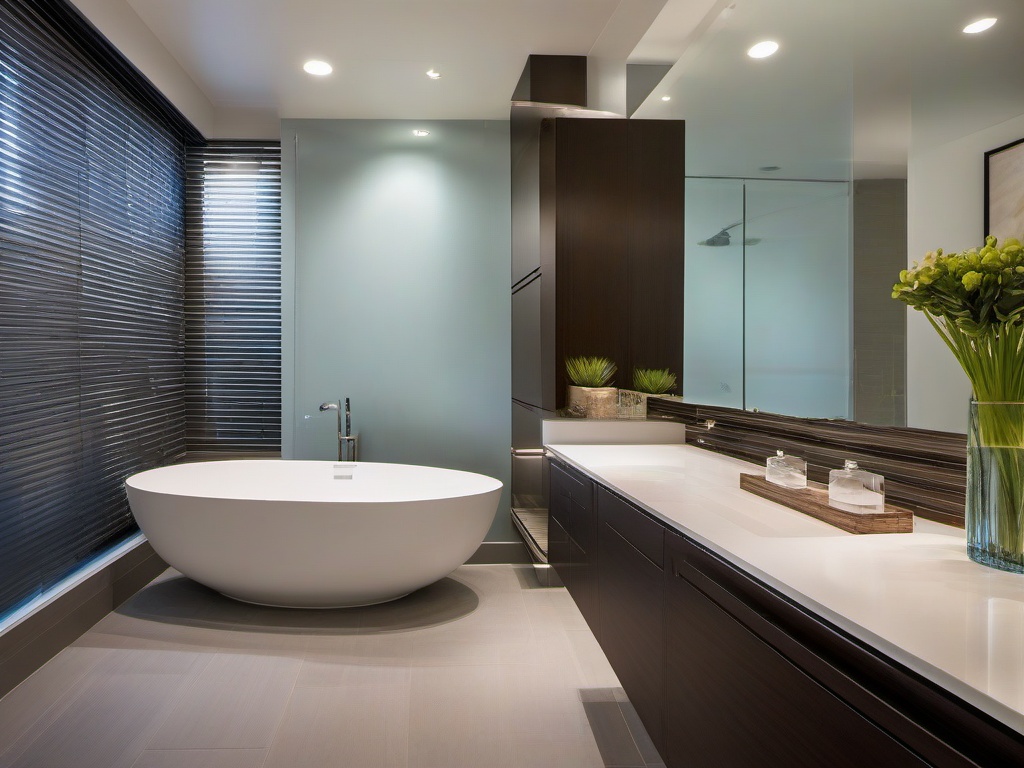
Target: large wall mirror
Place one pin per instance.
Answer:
(814, 175)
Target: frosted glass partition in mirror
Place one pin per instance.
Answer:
(862, 92)
(768, 295)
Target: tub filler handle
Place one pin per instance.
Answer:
(348, 444)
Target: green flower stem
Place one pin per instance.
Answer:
(992, 359)
(995, 485)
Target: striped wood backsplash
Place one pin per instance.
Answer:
(925, 471)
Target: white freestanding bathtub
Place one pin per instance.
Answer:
(307, 534)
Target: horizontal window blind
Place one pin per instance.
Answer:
(91, 292)
(233, 297)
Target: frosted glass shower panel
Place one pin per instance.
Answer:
(798, 298)
(713, 311)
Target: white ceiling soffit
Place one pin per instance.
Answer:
(247, 55)
(123, 27)
(679, 24)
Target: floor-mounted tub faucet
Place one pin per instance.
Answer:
(347, 442)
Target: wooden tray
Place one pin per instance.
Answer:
(813, 501)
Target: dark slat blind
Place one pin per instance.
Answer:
(233, 297)
(91, 293)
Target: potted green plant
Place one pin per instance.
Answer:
(975, 302)
(646, 382)
(589, 392)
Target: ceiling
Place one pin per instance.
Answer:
(853, 78)
(248, 54)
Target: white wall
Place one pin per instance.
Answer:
(397, 261)
(945, 209)
(255, 124)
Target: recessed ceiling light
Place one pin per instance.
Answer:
(433, 74)
(666, 98)
(317, 67)
(420, 132)
(979, 26)
(763, 49)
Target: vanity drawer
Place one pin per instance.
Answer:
(571, 498)
(645, 534)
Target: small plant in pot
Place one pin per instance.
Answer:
(589, 392)
(646, 382)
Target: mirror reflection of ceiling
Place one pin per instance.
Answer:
(858, 81)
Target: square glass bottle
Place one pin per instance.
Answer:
(787, 471)
(852, 489)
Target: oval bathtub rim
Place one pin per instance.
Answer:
(484, 484)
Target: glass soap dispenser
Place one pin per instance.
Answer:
(787, 471)
(856, 490)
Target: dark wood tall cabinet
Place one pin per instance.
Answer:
(607, 274)
(597, 256)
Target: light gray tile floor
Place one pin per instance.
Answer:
(477, 670)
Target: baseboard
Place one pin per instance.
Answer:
(62, 618)
(494, 552)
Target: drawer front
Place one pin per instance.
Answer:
(631, 591)
(571, 503)
(559, 497)
(647, 535)
(570, 483)
(558, 549)
(583, 526)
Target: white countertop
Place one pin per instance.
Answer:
(914, 596)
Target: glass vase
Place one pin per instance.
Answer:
(995, 485)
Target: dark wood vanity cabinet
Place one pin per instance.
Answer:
(572, 538)
(754, 679)
(631, 590)
(733, 699)
(725, 671)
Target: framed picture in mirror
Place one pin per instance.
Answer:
(1004, 191)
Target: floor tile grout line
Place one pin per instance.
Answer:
(80, 684)
(284, 709)
(186, 684)
(76, 683)
(205, 749)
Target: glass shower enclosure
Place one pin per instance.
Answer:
(768, 296)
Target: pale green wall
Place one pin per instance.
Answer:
(397, 254)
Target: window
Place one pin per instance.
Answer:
(92, 231)
(233, 297)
